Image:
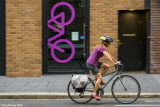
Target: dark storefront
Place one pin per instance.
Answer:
(72, 36)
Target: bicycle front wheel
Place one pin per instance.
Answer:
(126, 89)
(81, 98)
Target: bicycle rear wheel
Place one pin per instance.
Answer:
(126, 89)
(81, 98)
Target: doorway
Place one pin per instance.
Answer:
(132, 39)
(65, 44)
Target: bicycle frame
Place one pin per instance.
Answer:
(115, 73)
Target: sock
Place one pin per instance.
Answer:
(93, 93)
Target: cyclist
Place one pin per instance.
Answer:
(93, 62)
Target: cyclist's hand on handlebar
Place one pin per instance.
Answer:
(118, 63)
(119, 66)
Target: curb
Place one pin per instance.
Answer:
(61, 95)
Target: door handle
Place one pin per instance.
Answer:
(119, 43)
(84, 34)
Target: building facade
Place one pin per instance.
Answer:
(56, 36)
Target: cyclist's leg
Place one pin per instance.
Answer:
(98, 76)
(105, 68)
(99, 79)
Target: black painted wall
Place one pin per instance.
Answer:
(2, 39)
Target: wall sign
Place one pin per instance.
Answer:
(128, 34)
(61, 31)
(75, 36)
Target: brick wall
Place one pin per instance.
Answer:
(104, 21)
(23, 38)
(155, 37)
(24, 31)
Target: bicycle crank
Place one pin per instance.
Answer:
(81, 95)
(100, 92)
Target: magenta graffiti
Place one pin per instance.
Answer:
(61, 31)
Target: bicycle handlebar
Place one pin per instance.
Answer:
(119, 67)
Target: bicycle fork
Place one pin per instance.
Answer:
(125, 88)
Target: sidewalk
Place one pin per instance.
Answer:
(55, 86)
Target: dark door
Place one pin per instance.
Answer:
(2, 38)
(132, 40)
(66, 35)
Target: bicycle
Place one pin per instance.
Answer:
(120, 87)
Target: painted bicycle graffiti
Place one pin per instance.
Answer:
(61, 31)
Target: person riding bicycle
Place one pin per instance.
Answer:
(93, 62)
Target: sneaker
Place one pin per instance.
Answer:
(102, 82)
(96, 97)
